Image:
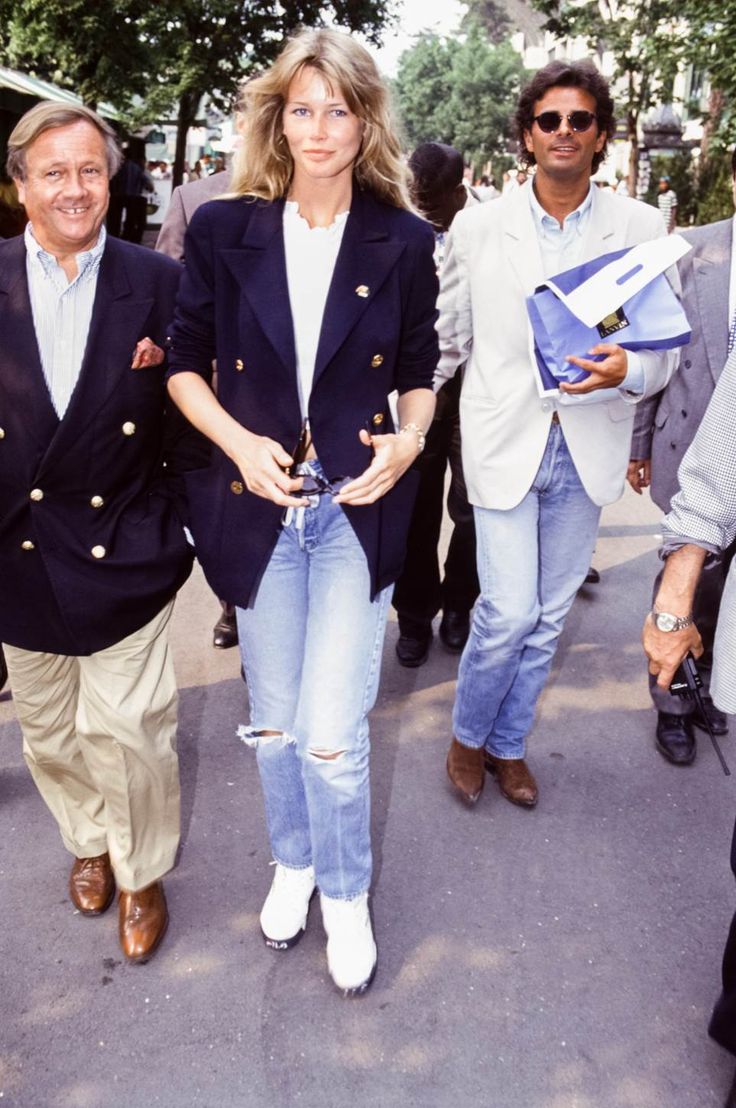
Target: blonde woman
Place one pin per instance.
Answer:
(314, 287)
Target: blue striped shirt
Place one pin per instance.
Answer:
(62, 312)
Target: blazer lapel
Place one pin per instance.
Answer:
(604, 233)
(22, 377)
(365, 259)
(711, 270)
(259, 267)
(521, 242)
(117, 316)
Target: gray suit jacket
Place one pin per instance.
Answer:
(666, 423)
(184, 202)
(704, 513)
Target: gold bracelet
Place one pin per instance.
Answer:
(421, 437)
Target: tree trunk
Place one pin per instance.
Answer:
(633, 137)
(716, 104)
(186, 118)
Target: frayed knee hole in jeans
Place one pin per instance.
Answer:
(322, 755)
(255, 737)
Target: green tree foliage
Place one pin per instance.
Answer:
(94, 49)
(171, 52)
(715, 189)
(712, 27)
(491, 15)
(647, 38)
(459, 92)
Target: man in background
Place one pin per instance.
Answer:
(184, 202)
(701, 524)
(439, 191)
(127, 200)
(665, 426)
(667, 203)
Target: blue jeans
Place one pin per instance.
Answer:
(311, 649)
(532, 560)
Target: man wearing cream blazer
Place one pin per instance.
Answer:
(538, 470)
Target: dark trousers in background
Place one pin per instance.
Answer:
(723, 1021)
(421, 592)
(706, 604)
(135, 208)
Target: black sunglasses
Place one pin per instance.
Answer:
(549, 122)
(312, 483)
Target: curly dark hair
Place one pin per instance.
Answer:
(436, 170)
(557, 74)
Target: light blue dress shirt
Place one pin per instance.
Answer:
(561, 248)
(62, 312)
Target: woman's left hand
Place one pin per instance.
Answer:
(392, 456)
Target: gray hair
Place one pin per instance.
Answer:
(50, 114)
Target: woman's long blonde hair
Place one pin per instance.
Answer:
(263, 165)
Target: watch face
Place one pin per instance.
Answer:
(665, 622)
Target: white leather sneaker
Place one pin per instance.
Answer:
(284, 913)
(351, 948)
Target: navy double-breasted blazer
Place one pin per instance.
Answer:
(91, 537)
(377, 335)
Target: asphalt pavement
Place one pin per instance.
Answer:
(566, 957)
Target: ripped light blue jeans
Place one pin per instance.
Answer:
(311, 649)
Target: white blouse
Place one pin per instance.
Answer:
(311, 253)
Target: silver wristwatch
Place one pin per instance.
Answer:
(665, 621)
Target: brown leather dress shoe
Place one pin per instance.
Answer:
(143, 919)
(514, 779)
(465, 770)
(92, 885)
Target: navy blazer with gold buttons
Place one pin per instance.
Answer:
(377, 335)
(91, 537)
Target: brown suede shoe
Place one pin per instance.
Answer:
(514, 779)
(92, 885)
(465, 770)
(143, 919)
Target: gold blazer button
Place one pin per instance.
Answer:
(28, 545)
(239, 365)
(36, 494)
(237, 487)
(363, 291)
(97, 502)
(98, 552)
(377, 360)
(129, 428)
(378, 419)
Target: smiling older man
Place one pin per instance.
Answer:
(91, 543)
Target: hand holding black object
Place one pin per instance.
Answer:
(687, 682)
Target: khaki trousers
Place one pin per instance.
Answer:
(99, 735)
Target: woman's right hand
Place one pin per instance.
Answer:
(262, 463)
